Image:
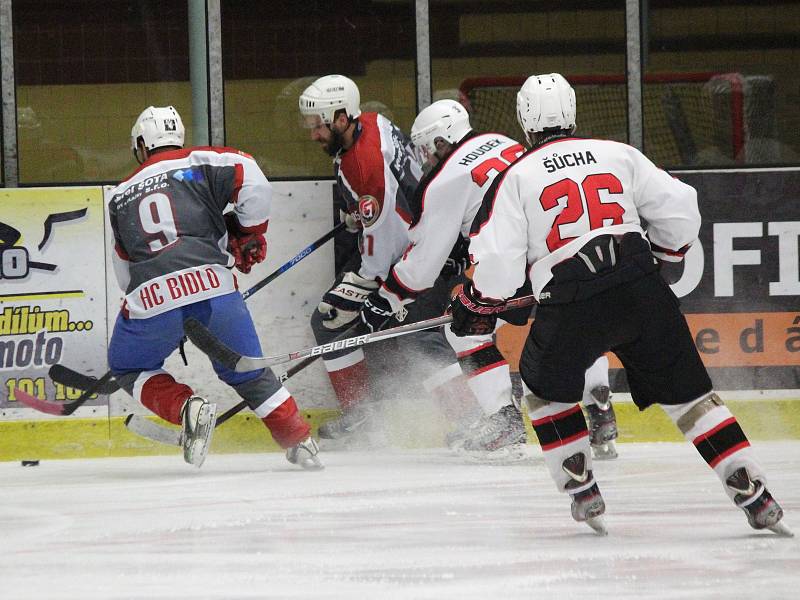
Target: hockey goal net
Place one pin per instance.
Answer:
(689, 118)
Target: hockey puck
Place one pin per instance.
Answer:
(30, 463)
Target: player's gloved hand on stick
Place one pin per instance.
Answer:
(472, 315)
(376, 312)
(341, 304)
(350, 220)
(247, 248)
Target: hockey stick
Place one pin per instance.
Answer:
(212, 346)
(53, 407)
(296, 259)
(166, 435)
(106, 384)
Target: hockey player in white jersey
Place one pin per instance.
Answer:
(462, 165)
(376, 173)
(173, 254)
(569, 215)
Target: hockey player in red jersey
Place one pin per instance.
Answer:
(462, 165)
(376, 173)
(569, 215)
(173, 254)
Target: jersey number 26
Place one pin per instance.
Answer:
(583, 197)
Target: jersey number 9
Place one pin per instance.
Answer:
(158, 221)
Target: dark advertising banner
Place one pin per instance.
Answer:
(740, 283)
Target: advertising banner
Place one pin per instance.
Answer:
(52, 289)
(739, 285)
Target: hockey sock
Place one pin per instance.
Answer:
(279, 413)
(350, 378)
(562, 432)
(448, 387)
(715, 432)
(488, 374)
(161, 394)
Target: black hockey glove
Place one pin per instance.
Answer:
(472, 316)
(458, 261)
(376, 312)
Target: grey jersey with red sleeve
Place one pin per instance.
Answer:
(170, 238)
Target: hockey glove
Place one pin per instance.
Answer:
(350, 220)
(376, 312)
(341, 304)
(471, 315)
(458, 261)
(246, 247)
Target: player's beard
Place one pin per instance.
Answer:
(335, 144)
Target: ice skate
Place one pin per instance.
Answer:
(198, 418)
(502, 429)
(602, 424)
(762, 511)
(353, 420)
(587, 505)
(305, 454)
(496, 438)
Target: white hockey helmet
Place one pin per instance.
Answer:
(446, 119)
(158, 126)
(545, 102)
(327, 95)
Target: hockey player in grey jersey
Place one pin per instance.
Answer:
(569, 215)
(173, 254)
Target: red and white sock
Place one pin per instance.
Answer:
(349, 377)
(161, 394)
(279, 413)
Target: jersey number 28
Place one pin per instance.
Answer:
(480, 173)
(583, 197)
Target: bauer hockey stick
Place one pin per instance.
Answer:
(213, 347)
(106, 384)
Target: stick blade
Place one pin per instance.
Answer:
(50, 407)
(79, 381)
(153, 431)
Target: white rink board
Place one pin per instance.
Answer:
(392, 525)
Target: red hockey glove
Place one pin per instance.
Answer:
(472, 316)
(246, 247)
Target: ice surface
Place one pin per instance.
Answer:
(411, 524)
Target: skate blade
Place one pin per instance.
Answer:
(607, 451)
(199, 449)
(598, 524)
(782, 530)
(507, 455)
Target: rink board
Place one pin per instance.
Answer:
(75, 437)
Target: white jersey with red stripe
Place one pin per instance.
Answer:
(170, 238)
(377, 176)
(560, 195)
(446, 203)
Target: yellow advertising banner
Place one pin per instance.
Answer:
(52, 288)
